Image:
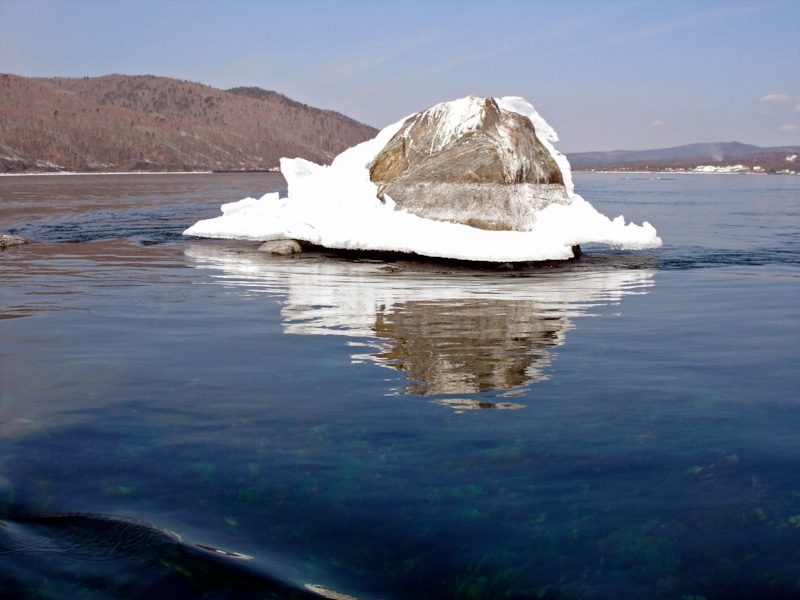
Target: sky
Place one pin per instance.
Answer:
(606, 74)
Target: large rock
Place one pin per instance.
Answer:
(469, 162)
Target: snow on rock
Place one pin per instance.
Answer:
(338, 207)
(470, 162)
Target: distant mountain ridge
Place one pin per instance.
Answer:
(130, 123)
(688, 157)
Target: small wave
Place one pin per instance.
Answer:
(145, 227)
(704, 258)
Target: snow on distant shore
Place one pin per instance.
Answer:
(337, 207)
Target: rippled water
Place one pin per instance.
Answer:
(188, 418)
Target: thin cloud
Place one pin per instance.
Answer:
(657, 123)
(789, 128)
(465, 59)
(668, 26)
(782, 98)
(339, 69)
(340, 72)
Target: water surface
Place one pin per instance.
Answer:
(189, 418)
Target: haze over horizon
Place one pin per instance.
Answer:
(621, 74)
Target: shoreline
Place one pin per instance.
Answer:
(58, 173)
(604, 172)
(654, 173)
(266, 172)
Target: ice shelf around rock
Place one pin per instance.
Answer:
(474, 179)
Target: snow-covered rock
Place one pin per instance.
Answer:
(339, 206)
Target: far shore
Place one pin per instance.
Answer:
(221, 172)
(70, 173)
(53, 173)
(265, 172)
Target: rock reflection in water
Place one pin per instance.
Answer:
(450, 333)
(468, 346)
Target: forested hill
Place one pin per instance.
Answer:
(132, 123)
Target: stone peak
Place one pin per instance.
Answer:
(455, 119)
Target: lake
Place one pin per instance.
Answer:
(184, 418)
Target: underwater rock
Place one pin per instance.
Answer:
(281, 247)
(9, 239)
(91, 555)
(470, 162)
(648, 549)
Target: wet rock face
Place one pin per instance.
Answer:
(469, 162)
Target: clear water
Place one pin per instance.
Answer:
(188, 418)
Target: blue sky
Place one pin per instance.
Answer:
(606, 74)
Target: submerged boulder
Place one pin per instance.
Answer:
(281, 247)
(9, 239)
(469, 162)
